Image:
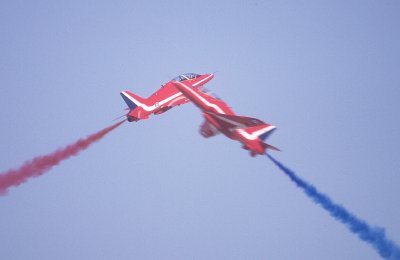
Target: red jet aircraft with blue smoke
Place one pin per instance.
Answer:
(219, 118)
(163, 99)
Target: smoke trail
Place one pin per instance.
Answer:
(373, 235)
(39, 165)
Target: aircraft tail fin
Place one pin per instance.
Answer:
(132, 100)
(263, 131)
(268, 131)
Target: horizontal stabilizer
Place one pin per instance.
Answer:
(268, 146)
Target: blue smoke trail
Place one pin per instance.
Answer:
(373, 235)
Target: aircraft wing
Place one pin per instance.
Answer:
(233, 121)
(166, 98)
(177, 101)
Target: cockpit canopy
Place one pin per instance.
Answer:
(186, 76)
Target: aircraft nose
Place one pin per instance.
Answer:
(209, 77)
(204, 78)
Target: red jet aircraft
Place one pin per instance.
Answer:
(251, 132)
(163, 99)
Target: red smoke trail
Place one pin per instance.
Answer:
(39, 165)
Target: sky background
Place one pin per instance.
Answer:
(326, 73)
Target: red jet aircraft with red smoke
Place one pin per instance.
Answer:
(219, 118)
(163, 99)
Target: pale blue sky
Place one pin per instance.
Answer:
(327, 74)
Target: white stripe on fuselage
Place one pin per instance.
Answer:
(153, 107)
(232, 122)
(202, 99)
